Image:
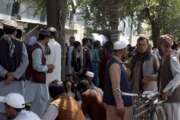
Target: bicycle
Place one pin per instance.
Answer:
(147, 106)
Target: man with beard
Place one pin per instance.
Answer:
(168, 78)
(13, 62)
(143, 67)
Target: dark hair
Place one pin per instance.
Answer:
(69, 75)
(108, 46)
(56, 90)
(9, 30)
(97, 44)
(77, 44)
(53, 34)
(85, 41)
(174, 46)
(19, 33)
(17, 110)
(42, 37)
(72, 40)
(141, 38)
(72, 37)
(90, 40)
(83, 86)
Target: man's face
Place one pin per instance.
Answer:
(71, 41)
(89, 44)
(69, 85)
(69, 78)
(46, 40)
(142, 46)
(125, 54)
(10, 112)
(90, 79)
(165, 49)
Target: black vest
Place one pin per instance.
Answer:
(124, 85)
(6, 61)
(31, 73)
(164, 77)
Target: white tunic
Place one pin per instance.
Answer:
(27, 115)
(55, 59)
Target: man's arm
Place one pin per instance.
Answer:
(23, 65)
(36, 61)
(115, 80)
(51, 114)
(58, 61)
(175, 82)
(85, 102)
(156, 66)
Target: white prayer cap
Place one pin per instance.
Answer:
(118, 45)
(90, 74)
(14, 100)
(10, 23)
(52, 29)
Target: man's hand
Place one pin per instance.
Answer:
(9, 80)
(11, 74)
(50, 68)
(164, 96)
(120, 109)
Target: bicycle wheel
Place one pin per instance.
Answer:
(159, 114)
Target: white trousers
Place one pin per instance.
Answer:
(38, 96)
(14, 87)
(172, 110)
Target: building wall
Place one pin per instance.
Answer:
(27, 14)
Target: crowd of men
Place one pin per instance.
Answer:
(32, 89)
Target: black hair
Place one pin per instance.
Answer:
(19, 33)
(90, 40)
(17, 110)
(77, 44)
(83, 86)
(56, 90)
(97, 44)
(85, 41)
(69, 75)
(9, 30)
(53, 34)
(143, 38)
(174, 46)
(42, 37)
(72, 40)
(72, 37)
(108, 46)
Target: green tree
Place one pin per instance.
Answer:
(102, 14)
(163, 16)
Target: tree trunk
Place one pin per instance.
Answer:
(155, 27)
(56, 18)
(155, 31)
